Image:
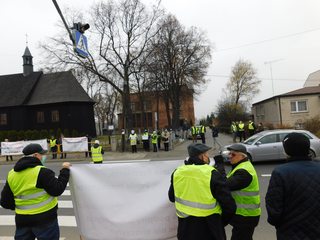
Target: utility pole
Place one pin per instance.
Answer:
(270, 64)
(64, 21)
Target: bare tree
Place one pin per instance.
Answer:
(121, 33)
(180, 58)
(243, 84)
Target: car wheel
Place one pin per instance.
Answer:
(249, 157)
(311, 154)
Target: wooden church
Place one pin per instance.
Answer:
(37, 101)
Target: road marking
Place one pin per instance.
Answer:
(62, 204)
(12, 238)
(64, 221)
(266, 175)
(66, 193)
(4, 181)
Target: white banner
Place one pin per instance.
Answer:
(79, 144)
(124, 201)
(15, 148)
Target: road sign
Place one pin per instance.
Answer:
(81, 44)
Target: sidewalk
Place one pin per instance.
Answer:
(179, 151)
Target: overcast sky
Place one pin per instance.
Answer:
(283, 32)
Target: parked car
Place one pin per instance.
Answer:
(267, 145)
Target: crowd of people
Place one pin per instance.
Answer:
(243, 130)
(206, 198)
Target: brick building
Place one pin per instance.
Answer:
(151, 114)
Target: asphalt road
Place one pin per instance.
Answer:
(67, 221)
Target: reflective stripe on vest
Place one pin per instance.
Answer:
(28, 198)
(192, 191)
(247, 199)
(96, 154)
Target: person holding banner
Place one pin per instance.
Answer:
(203, 202)
(32, 190)
(8, 156)
(97, 152)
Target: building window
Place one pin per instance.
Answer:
(133, 107)
(299, 106)
(146, 105)
(55, 116)
(40, 117)
(3, 119)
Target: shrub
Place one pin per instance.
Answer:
(313, 125)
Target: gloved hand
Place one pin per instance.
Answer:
(218, 159)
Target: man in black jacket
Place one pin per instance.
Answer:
(293, 196)
(31, 190)
(243, 183)
(203, 202)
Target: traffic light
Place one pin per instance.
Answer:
(81, 27)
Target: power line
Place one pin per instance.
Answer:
(268, 40)
(263, 79)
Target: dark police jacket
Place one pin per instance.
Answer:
(293, 200)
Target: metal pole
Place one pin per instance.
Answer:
(64, 21)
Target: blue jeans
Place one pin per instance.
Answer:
(48, 231)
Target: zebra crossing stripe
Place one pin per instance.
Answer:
(62, 204)
(12, 238)
(64, 221)
(266, 175)
(4, 181)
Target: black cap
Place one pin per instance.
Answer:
(237, 147)
(296, 144)
(195, 149)
(33, 148)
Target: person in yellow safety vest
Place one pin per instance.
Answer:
(97, 152)
(202, 131)
(234, 131)
(194, 133)
(145, 140)
(243, 183)
(203, 202)
(31, 190)
(241, 132)
(251, 128)
(133, 141)
(53, 146)
(154, 141)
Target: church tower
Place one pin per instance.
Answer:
(27, 62)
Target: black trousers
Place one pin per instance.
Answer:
(242, 233)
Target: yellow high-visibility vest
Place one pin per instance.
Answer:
(28, 198)
(96, 154)
(192, 191)
(247, 199)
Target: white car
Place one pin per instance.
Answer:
(267, 145)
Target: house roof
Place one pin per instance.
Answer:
(38, 88)
(58, 87)
(15, 88)
(298, 92)
(313, 79)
